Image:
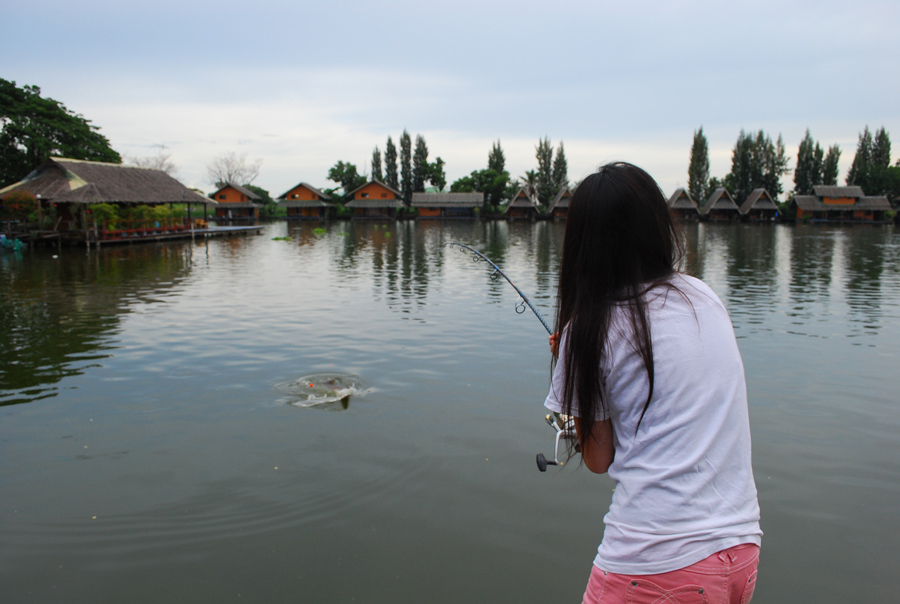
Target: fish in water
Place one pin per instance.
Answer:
(323, 388)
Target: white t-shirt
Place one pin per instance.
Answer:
(685, 486)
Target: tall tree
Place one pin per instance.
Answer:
(698, 169)
(810, 165)
(544, 182)
(560, 170)
(232, 169)
(376, 164)
(496, 158)
(756, 162)
(859, 169)
(406, 181)
(34, 128)
(881, 149)
(830, 166)
(347, 176)
(420, 166)
(390, 165)
(437, 176)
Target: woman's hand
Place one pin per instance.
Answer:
(554, 345)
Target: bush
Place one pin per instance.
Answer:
(19, 205)
(105, 214)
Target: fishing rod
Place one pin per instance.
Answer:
(563, 425)
(523, 299)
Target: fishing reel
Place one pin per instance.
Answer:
(564, 425)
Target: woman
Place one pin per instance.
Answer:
(649, 367)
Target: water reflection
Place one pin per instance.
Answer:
(60, 313)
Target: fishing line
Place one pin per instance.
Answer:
(523, 299)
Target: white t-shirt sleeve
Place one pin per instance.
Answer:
(554, 398)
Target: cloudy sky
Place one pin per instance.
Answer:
(301, 85)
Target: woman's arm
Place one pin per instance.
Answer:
(596, 442)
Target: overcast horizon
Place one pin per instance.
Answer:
(301, 86)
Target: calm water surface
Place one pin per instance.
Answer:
(151, 451)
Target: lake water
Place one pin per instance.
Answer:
(156, 445)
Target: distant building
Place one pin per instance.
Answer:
(559, 207)
(374, 200)
(522, 206)
(305, 202)
(720, 207)
(759, 207)
(236, 203)
(447, 205)
(840, 204)
(683, 205)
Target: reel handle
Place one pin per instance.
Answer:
(543, 462)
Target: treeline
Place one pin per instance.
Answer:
(758, 162)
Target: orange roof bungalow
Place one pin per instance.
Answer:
(522, 206)
(447, 205)
(373, 201)
(559, 207)
(236, 203)
(840, 204)
(759, 207)
(720, 207)
(305, 202)
(681, 204)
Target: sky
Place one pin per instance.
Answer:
(301, 85)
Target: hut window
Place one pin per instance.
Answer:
(314, 196)
(295, 196)
(384, 195)
(222, 196)
(364, 195)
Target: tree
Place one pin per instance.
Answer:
(160, 161)
(544, 175)
(859, 169)
(270, 208)
(376, 164)
(756, 162)
(390, 165)
(406, 180)
(232, 169)
(830, 166)
(560, 170)
(698, 169)
(810, 166)
(881, 149)
(437, 176)
(34, 128)
(420, 166)
(347, 176)
(496, 158)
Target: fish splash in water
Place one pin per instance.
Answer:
(323, 389)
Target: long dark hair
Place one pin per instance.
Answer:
(621, 241)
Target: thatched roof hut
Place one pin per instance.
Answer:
(683, 205)
(74, 181)
(759, 205)
(522, 205)
(559, 207)
(447, 205)
(374, 200)
(720, 206)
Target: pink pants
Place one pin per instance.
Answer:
(726, 577)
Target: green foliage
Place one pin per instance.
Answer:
(34, 128)
(420, 165)
(406, 174)
(830, 166)
(544, 185)
(19, 205)
(270, 208)
(560, 170)
(698, 169)
(319, 231)
(347, 176)
(390, 165)
(756, 162)
(810, 166)
(105, 214)
(871, 167)
(858, 173)
(496, 159)
(489, 182)
(436, 175)
(341, 211)
(376, 164)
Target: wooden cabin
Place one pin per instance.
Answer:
(447, 205)
(840, 204)
(71, 186)
(305, 202)
(522, 206)
(759, 207)
(237, 203)
(374, 200)
(559, 207)
(682, 205)
(720, 207)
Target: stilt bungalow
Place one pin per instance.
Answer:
(305, 202)
(447, 205)
(373, 201)
(68, 188)
(759, 207)
(720, 207)
(522, 206)
(681, 204)
(840, 204)
(559, 207)
(237, 203)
